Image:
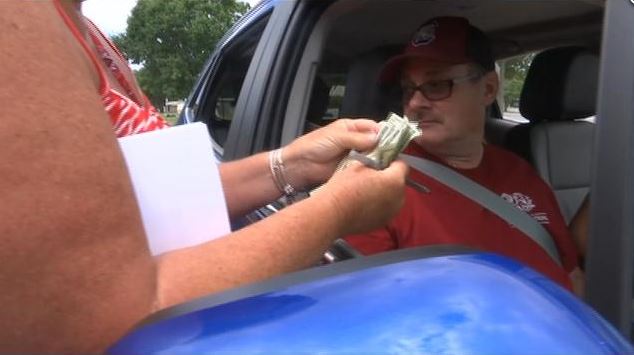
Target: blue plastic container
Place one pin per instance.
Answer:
(417, 301)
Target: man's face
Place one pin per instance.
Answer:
(455, 119)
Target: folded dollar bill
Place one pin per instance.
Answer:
(395, 133)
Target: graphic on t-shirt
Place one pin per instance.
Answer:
(525, 203)
(521, 201)
(541, 217)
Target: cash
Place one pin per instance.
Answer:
(395, 133)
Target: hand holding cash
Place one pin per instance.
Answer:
(394, 135)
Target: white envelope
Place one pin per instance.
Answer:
(177, 185)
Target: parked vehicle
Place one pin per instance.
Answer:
(290, 65)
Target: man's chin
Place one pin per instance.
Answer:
(430, 140)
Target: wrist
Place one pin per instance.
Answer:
(280, 175)
(295, 165)
(338, 206)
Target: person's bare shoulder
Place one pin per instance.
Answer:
(75, 272)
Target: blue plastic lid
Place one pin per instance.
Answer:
(458, 304)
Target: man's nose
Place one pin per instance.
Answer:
(418, 100)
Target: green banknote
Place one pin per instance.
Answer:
(395, 133)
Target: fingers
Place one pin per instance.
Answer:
(370, 197)
(360, 125)
(359, 134)
(397, 170)
(394, 175)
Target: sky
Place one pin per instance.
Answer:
(111, 15)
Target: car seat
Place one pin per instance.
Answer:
(365, 96)
(318, 106)
(560, 89)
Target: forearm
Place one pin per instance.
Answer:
(308, 161)
(284, 242)
(248, 183)
(355, 200)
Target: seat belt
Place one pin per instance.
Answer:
(487, 199)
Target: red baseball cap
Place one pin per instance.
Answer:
(450, 40)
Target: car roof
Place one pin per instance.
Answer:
(514, 27)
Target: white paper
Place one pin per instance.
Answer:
(177, 185)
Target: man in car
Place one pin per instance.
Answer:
(448, 79)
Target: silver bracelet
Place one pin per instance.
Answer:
(279, 175)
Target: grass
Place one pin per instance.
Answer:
(170, 118)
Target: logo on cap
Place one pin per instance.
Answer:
(425, 35)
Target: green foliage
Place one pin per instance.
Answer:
(172, 39)
(171, 118)
(515, 70)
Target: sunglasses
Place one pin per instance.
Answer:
(436, 90)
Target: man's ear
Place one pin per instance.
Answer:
(491, 86)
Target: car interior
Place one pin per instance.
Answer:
(553, 132)
(337, 49)
(333, 72)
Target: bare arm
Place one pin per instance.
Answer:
(76, 272)
(356, 200)
(579, 230)
(309, 160)
(247, 184)
(579, 227)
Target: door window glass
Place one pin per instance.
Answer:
(224, 88)
(325, 102)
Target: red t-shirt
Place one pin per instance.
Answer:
(444, 216)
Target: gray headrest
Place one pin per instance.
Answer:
(561, 84)
(363, 97)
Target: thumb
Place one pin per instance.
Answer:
(358, 134)
(359, 141)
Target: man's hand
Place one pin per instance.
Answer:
(312, 158)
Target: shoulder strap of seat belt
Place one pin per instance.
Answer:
(487, 199)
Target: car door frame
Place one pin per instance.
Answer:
(262, 102)
(609, 259)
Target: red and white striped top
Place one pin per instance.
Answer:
(128, 113)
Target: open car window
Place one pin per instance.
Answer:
(512, 74)
(217, 109)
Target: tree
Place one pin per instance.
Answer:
(515, 70)
(171, 39)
